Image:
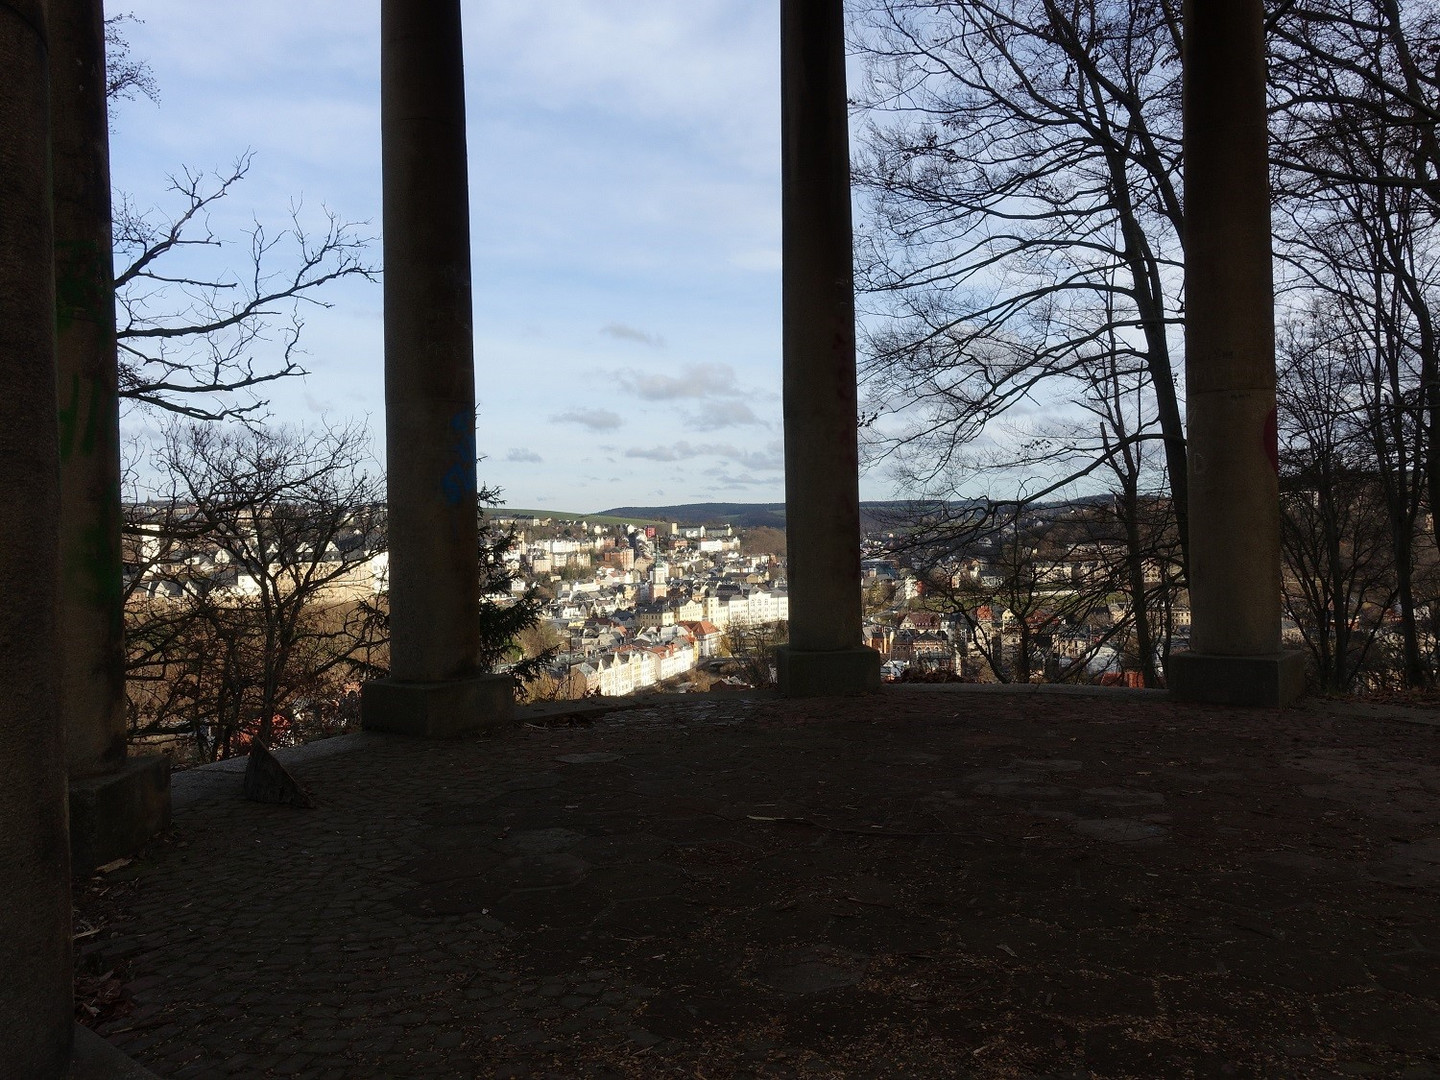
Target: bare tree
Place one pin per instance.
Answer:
(257, 587)
(125, 77)
(1018, 175)
(1134, 538)
(205, 321)
(1023, 580)
(1340, 576)
(266, 588)
(1355, 154)
(753, 645)
(197, 338)
(1022, 251)
(1371, 59)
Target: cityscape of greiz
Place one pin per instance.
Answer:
(283, 612)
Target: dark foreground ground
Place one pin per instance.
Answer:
(920, 883)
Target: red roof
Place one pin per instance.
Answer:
(703, 628)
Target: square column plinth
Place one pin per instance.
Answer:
(113, 814)
(439, 710)
(803, 673)
(1274, 680)
(96, 1059)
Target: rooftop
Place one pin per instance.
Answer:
(925, 882)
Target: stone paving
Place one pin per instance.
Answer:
(915, 884)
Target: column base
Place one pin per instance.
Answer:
(96, 1059)
(1275, 680)
(439, 710)
(803, 673)
(113, 814)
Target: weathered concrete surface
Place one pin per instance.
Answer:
(96, 1059)
(809, 673)
(918, 883)
(35, 1021)
(1234, 500)
(115, 813)
(1276, 679)
(439, 710)
(429, 363)
(119, 806)
(93, 684)
(822, 463)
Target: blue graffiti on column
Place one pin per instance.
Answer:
(459, 481)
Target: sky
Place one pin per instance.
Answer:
(625, 207)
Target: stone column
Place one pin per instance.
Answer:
(436, 687)
(35, 987)
(1234, 515)
(115, 804)
(822, 485)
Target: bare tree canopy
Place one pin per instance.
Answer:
(200, 339)
(205, 319)
(256, 578)
(1021, 249)
(1017, 172)
(1355, 96)
(126, 78)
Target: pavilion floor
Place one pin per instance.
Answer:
(916, 883)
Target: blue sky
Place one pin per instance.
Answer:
(624, 162)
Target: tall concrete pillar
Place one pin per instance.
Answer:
(116, 803)
(436, 687)
(35, 987)
(822, 477)
(1234, 515)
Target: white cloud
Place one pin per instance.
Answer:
(628, 333)
(696, 381)
(770, 459)
(594, 419)
(722, 414)
(722, 479)
(656, 453)
(524, 456)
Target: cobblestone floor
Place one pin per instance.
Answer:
(910, 884)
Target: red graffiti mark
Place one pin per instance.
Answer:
(1270, 440)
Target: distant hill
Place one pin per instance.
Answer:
(875, 516)
(745, 515)
(742, 515)
(603, 518)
